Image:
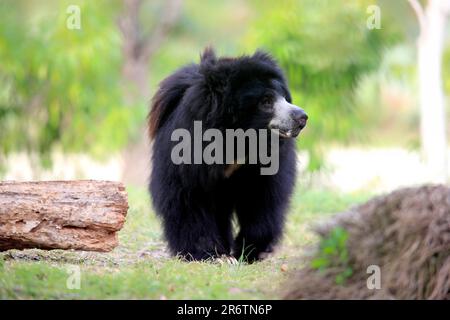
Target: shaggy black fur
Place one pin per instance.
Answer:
(196, 201)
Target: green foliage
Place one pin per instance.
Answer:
(61, 86)
(333, 253)
(324, 46)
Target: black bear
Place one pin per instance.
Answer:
(195, 197)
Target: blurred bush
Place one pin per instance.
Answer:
(325, 48)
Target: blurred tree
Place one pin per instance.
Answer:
(430, 45)
(140, 41)
(325, 47)
(60, 87)
(63, 87)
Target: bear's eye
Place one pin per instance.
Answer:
(266, 102)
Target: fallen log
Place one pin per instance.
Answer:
(81, 215)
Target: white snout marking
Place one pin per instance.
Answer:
(282, 113)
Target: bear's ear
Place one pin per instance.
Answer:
(214, 77)
(208, 57)
(264, 57)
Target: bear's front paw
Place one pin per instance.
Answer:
(225, 259)
(264, 255)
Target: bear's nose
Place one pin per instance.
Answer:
(299, 116)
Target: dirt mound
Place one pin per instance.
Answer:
(395, 246)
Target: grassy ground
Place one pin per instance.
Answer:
(140, 267)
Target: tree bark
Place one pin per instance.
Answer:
(81, 215)
(432, 23)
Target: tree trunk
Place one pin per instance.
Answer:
(81, 215)
(136, 80)
(432, 109)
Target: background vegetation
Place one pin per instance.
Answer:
(140, 268)
(86, 92)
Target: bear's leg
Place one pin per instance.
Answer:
(261, 205)
(195, 233)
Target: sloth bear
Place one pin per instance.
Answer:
(196, 200)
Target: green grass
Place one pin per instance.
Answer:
(140, 268)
